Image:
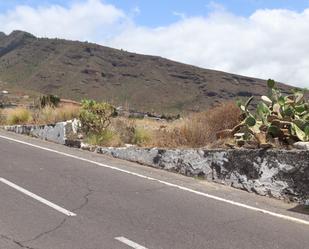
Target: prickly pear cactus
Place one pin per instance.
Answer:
(278, 117)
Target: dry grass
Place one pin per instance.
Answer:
(105, 138)
(125, 128)
(2, 118)
(199, 129)
(50, 115)
(47, 115)
(133, 131)
(142, 137)
(18, 115)
(195, 130)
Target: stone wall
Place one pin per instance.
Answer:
(59, 133)
(277, 173)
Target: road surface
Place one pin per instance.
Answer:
(54, 197)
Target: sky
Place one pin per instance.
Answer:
(258, 38)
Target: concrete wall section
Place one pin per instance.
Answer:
(58, 133)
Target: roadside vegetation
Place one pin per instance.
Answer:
(102, 126)
(51, 115)
(276, 121)
(18, 115)
(45, 111)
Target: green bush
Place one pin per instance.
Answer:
(49, 100)
(96, 117)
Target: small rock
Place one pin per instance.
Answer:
(266, 146)
(240, 143)
(239, 135)
(80, 136)
(251, 145)
(88, 147)
(129, 145)
(232, 146)
(301, 145)
(73, 143)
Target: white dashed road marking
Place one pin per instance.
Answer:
(36, 197)
(130, 243)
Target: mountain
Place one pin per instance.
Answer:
(76, 70)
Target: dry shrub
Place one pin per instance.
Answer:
(50, 115)
(224, 116)
(152, 124)
(199, 129)
(45, 115)
(18, 115)
(2, 118)
(125, 128)
(67, 112)
(142, 137)
(131, 131)
(167, 139)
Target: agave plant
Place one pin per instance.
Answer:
(276, 116)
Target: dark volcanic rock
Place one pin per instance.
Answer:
(277, 173)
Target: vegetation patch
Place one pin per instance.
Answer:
(18, 116)
(96, 117)
(278, 121)
(51, 115)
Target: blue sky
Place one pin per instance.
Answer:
(155, 13)
(160, 12)
(258, 38)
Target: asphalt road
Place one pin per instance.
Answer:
(51, 200)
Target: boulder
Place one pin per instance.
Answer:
(301, 145)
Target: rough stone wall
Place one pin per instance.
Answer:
(276, 173)
(58, 133)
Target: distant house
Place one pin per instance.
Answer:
(68, 102)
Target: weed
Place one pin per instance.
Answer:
(49, 114)
(141, 136)
(104, 138)
(18, 116)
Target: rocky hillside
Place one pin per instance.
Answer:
(77, 70)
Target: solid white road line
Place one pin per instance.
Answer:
(36, 197)
(234, 203)
(130, 243)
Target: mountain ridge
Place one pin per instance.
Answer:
(76, 70)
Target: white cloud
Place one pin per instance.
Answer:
(181, 15)
(267, 44)
(136, 10)
(215, 7)
(86, 20)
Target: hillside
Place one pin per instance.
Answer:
(77, 70)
